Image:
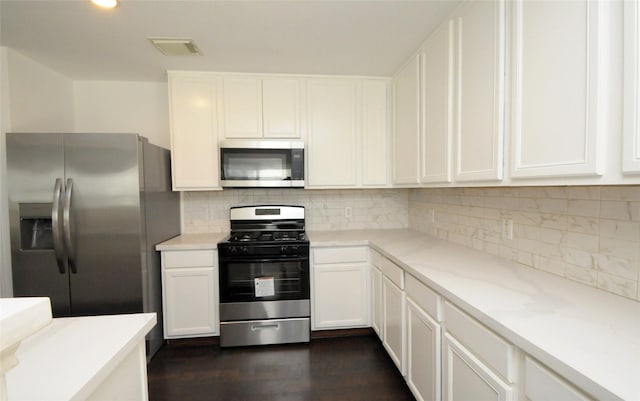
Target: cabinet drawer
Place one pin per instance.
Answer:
(189, 258)
(340, 255)
(393, 272)
(493, 350)
(542, 384)
(423, 296)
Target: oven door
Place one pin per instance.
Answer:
(263, 279)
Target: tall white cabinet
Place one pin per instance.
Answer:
(479, 32)
(437, 106)
(194, 112)
(631, 140)
(559, 72)
(406, 150)
(331, 132)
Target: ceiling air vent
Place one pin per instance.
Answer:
(176, 46)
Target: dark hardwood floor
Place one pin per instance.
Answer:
(327, 369)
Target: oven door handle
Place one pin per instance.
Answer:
(264, 260)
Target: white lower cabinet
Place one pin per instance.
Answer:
(340, 292)
(541, 384)
(466, 378)
(376, 300)
(423, 340)
(423, 353)
(393, 318)
(190, 293)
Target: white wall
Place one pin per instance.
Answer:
(40, 99)
(110, 106)
(34, 99)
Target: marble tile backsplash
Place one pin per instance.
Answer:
(325, 209)
(586, 234)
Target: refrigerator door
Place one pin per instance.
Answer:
(102, 221)
(34, 163)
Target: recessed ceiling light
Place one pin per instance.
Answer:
(176, 46)
(105, 3)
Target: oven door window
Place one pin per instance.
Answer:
(256, 164)
(264, 280)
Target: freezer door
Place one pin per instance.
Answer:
(34, 163)
(102, 223)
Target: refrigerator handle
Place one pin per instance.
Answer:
(58, 245)
(66, 226)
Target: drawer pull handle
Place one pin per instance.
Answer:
(264, 326)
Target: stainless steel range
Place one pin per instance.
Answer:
(264, 277)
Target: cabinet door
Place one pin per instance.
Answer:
(480, 60)
(331, 132)
(242, 107)
(340, 296)
(540, 384)
(191, 302)
(557, 113)
(631, 143)
(194, 133)
(423, 353)
(393, 310)
(376, 300)
(406, 123)
(281, 108)
(374, 132)
(465, 378)
(437, 106)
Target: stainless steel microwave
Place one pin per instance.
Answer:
(261, 163)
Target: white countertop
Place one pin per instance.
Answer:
(589, 336)
(21, 317)
(70, 357)
(187, 242)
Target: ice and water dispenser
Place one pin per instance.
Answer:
(35, 226)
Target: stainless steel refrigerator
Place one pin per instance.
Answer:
(86, 211)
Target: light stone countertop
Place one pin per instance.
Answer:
(589, 336)
(187, 242)
(70, 357)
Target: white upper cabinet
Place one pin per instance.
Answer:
(261, 107)
(347, 132)
(406, 149)
(479, 86)
(331, 119)
(281, 108)
(558, 68)
(242, 107)
(437, 106)
(193, 109)
(375, 132)
(631, 143)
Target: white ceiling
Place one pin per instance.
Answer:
(356, 37)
